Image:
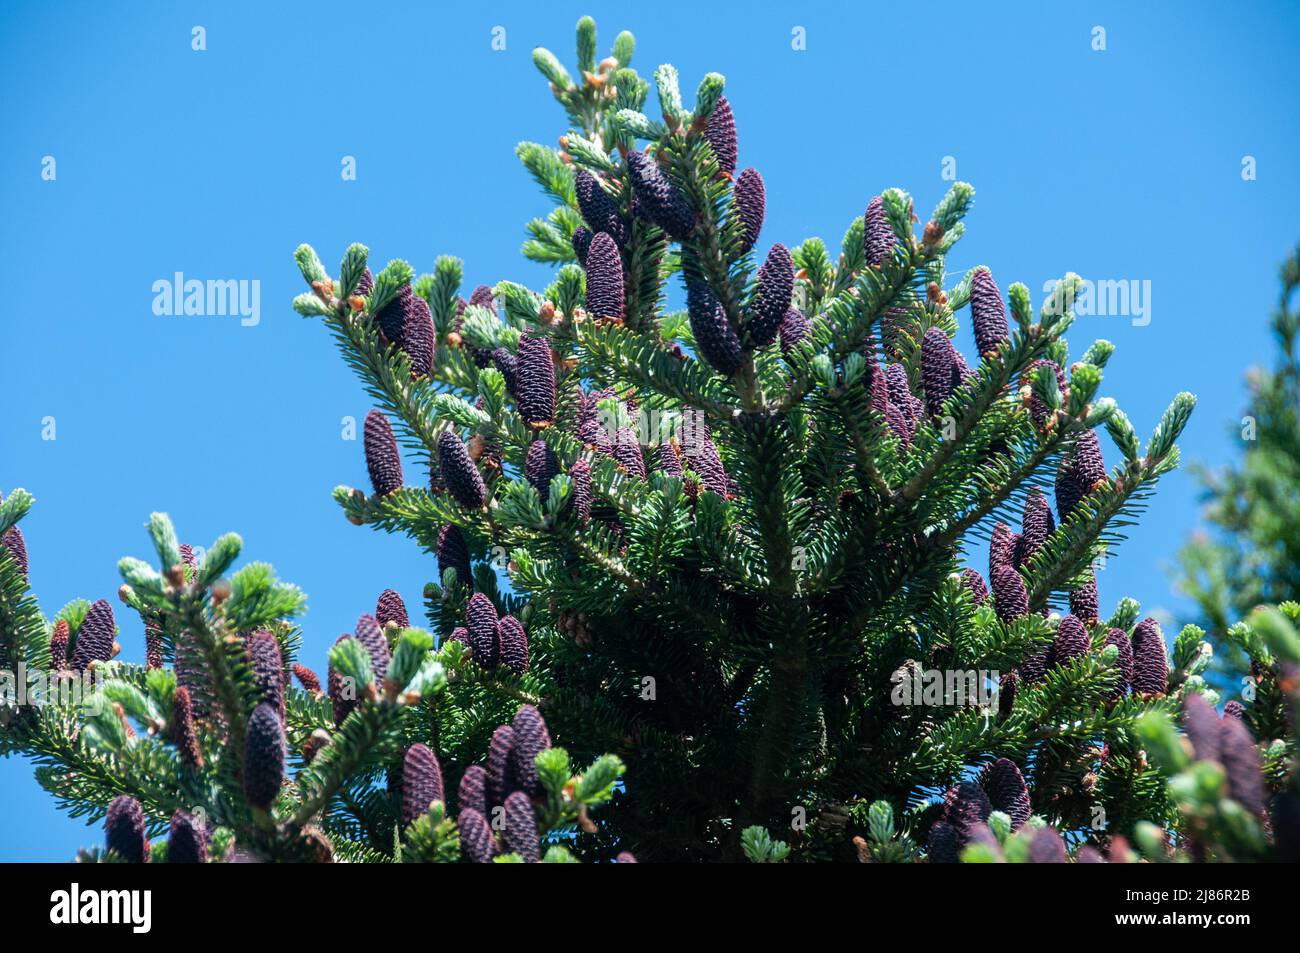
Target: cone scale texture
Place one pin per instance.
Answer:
(453, 554)
(750, 197)
(535, 382)
(124, 830)
(391, 608)
(720, 132)
(383, 459)
(264, 753)
(461, 477)
(715, 338)
(95, 637)
(421, 782)
(604, 279)
(481, 624)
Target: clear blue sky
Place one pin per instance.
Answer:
(1122, 164)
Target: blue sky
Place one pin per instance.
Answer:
(1119, 164)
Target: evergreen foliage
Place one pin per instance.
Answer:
(1252, 555)
(735, 564)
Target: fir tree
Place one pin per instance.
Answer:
(1253, 553)
(735, 538)
(734, 557)
(211, 743)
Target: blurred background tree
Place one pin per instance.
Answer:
(1250, 553)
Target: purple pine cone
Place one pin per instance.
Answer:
(365, 284)
(599, 210)
(702, 456)
(715, 339)
(1201, 722)
(17, 546)
(391, 608)
(1002, 548)
(1078, 473)
(268, 668)
(476, 840)
(1005, 786)
(1046, 847)
(420, 337)
(383, 459)
(1038, 410)
(153, 646)
(627, 451)
(900, 393)
(531, 739)
(59, 637)
(1034, 669)
(965, 806)
(421, 782)
(1150, 663)
(1123, 661)
(187, 840)
(794, 328)
(521, 828)
(943, 846)
(472, 793)
(750, 197)
(591, 425)
(604, 279)
(1010, 600)
(878, 238)
(508, 365)
(988, 313)
(373, 640)
(974, 584)
(580, 498)
(540, 467)
(658, 199)
(877, 383)
(393, 317)
(581, 242)
(454, 554)
(720, 133)
(1071, 641)
(938, 369)
(484, 298)
(1240, 760)
(264, 752)
(1084, 601)
(1007, 688)
(535, 381)
(500, 766)
(95, 637)
(124, 830)
(513, 645)
(1234, 709)
(1037, 525)
(459, 473)
(772, 297)
(899, 424)
(481, 623)
(343, 698)
(664, 459)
